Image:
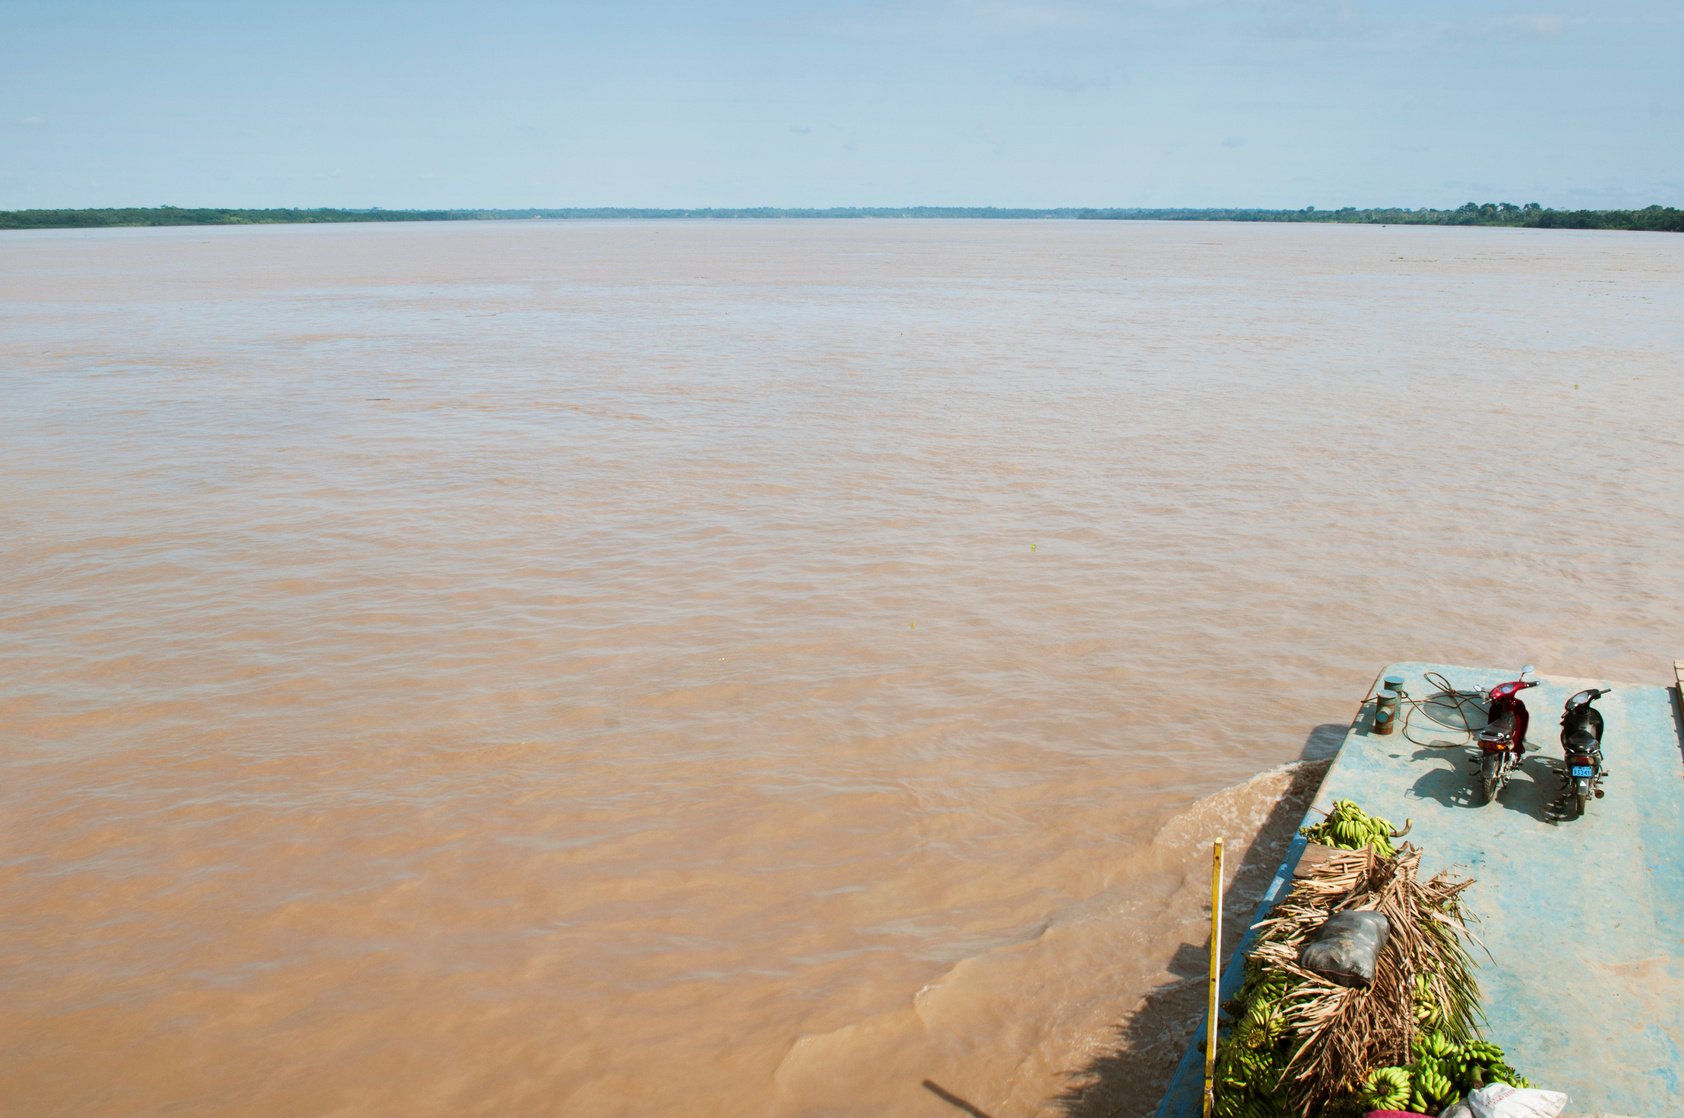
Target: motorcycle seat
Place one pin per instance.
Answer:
(1501, 728)
(1582, 742)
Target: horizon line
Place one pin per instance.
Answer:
(847, 207)
(1654, 218)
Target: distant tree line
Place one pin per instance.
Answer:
(1662, 219)
(177, 215)
(1531, 215)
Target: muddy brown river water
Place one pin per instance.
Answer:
(752, 668)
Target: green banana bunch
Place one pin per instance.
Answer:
(1349, 827)
(1459, 1067)
(1483, 1050)
(1267, 1024)
(1386, 1089)
(1235, 1100)
(1436, 1088)
(1444, 1070)
(1434, 1046)
(1252, 1056)
(1429, 1014)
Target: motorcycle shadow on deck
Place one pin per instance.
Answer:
(1453, 779)
(1454, 782)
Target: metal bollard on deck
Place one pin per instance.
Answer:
(1385, 711)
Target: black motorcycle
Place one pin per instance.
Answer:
(1581, 744)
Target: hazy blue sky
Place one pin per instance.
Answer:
(1278, 103)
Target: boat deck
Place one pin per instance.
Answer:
(1583, 918)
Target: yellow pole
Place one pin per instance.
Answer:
(1215, 975)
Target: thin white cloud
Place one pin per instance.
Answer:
(1520, 27)
(1348, 21)
(1025, 15)
(887, 19)
(1062, 82)
(1537, 25)
(1311, 19)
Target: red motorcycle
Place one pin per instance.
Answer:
(1502, 741)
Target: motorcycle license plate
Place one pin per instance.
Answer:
(1584, 770)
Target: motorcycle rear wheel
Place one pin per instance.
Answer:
(1579, 801)
(1488, 783)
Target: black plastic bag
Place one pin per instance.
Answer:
(1347, 947)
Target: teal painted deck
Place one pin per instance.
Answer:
(1583, 919)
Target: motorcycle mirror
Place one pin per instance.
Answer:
(1527, 670)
